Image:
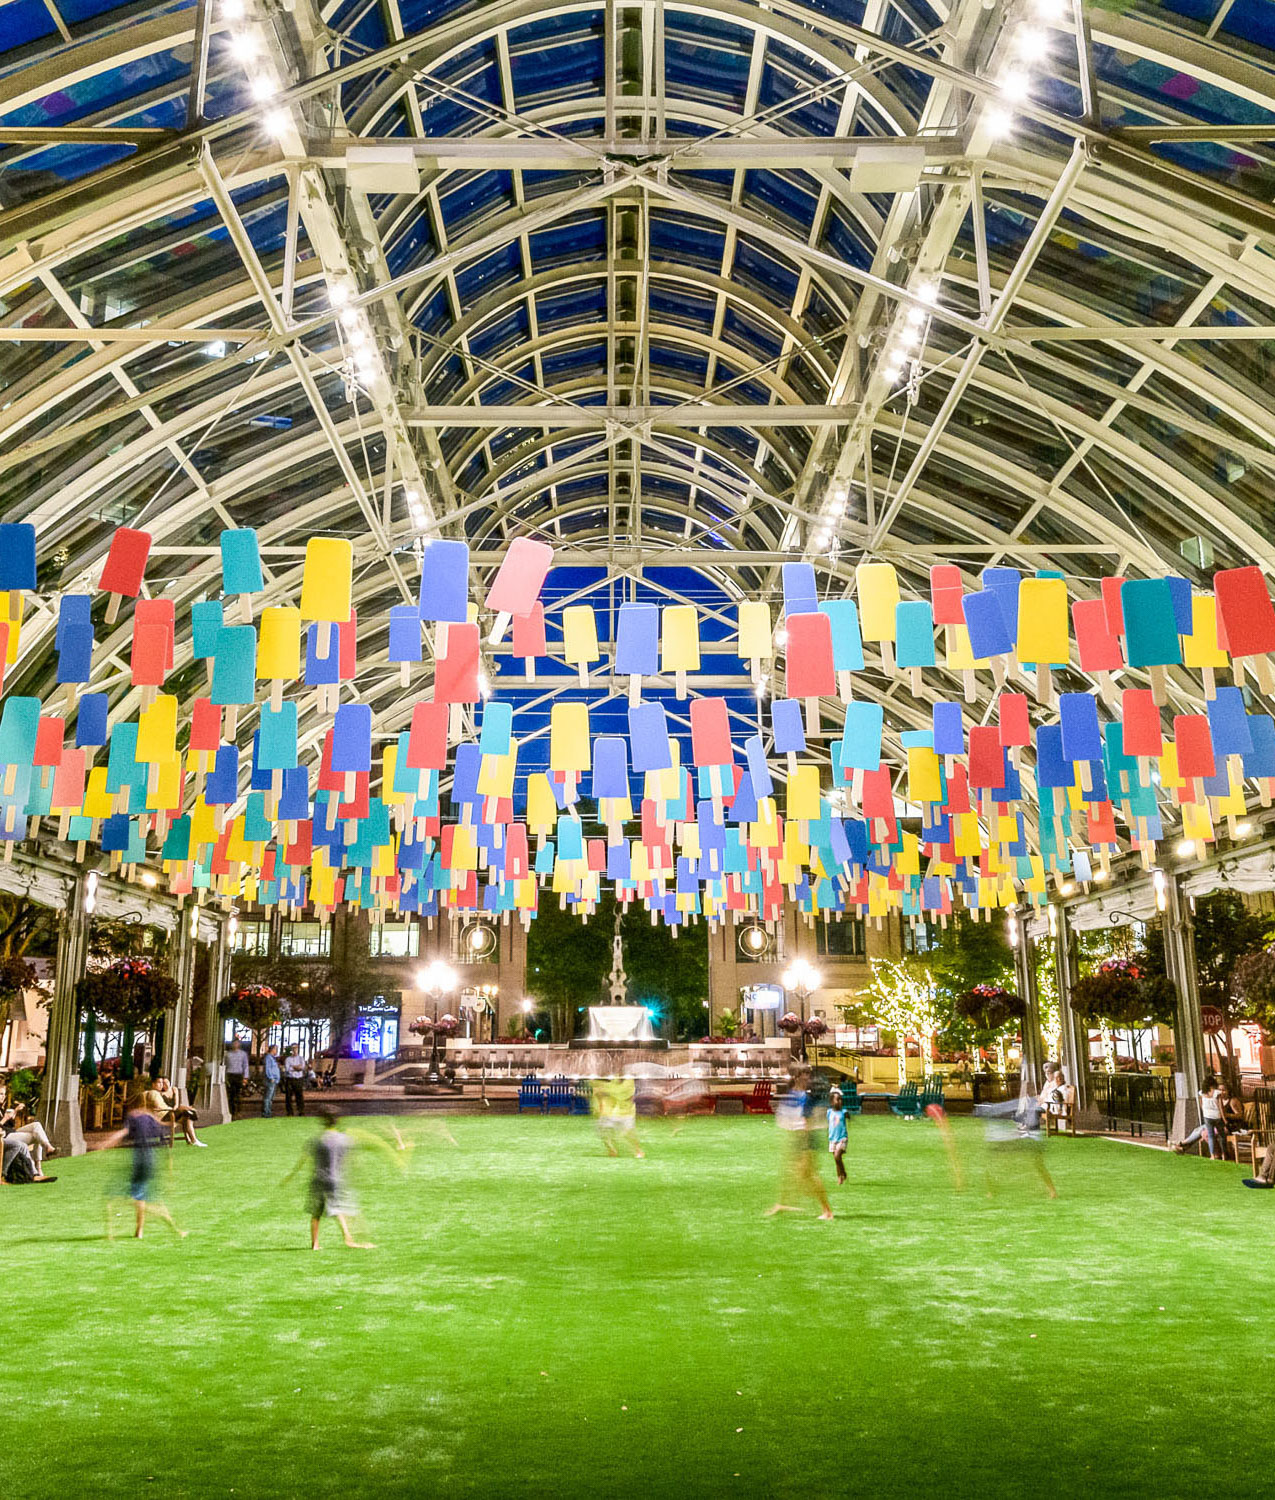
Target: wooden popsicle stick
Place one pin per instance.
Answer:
(245, 609)
(10, 780)
(404, 674)
(276, 696)
(1085, 770)
(584, 674)
(324, 631)
(1237, 671)
(455, 724)
(113, 608)
(844, 687)
(812, 717)
(914, 678)
(232, 722)
(1159, 686)
(64, 826)
(887, 657)
(529, 668)
(1264, 791)
(499, 625)
(1262, 671)
(1210, 681)
(635, 688)
(969, 684)
(679, 678)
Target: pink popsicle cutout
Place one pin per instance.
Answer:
(124, 567)
(518, 581)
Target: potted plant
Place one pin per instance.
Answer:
(255, 1006)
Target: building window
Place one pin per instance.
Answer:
(306, 940)
(843, 938)
(252, 939)
(920, 937)
(395, 940)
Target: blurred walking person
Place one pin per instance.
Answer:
(142, 1132)
(800, 1174)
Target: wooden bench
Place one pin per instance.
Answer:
(1063, 1119)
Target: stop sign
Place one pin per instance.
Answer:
(1212, 1018)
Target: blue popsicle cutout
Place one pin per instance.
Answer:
(221, 787)
(405, 633)
(949, 729)
(1081, 733)
(610, 767)
(1150, 626)
(758, 769)
(637, 651)
(240, 562)
(206, 620)
(497, 728)
(788, 726)
(445, 582)
(91, 720)
(352, 739)
(847, 641)
(914, 633)
(17, 556)
(277, 738)
(74, 638)
(234, 679)
(648, 737)
(985, 619)
(320, 671)
(800, 594)
(1003, 584)
(1229, 723)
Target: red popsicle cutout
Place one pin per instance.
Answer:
(68, 781)
(205, 726)
(529, 632)
(125, 564)
(808, 657)
(161, 614)
(1245, 611)
(49, 736)
(1142, 733)
(1015, 720)
(1195, 746)
(427, 741)
(1099, 645)
(946, 592)
(456, 674)
(1113, 605)
(347, 642)
(878, 795)
(987, 760)
(710, 733)
(149, 659)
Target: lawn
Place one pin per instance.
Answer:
(539, 1320)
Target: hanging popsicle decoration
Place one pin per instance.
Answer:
(529, 638)
(580, 639)
(1097, 645)
(914, 638)
(279, 650)
(755, 639)
(241, 568)
(1043, 639)
(877, 585)
(1201, 650)
(404, 640)
(808, 663)
(124, 567)
(17, 563)
(847, 642)
(679, 643)
(1150, 629)
(1246, 619)
(327, 584)
(73, 642)
(637, 645)
(516, 587)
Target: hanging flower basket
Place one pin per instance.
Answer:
(256, 1006)
(790, 1023)
(816, 1027)
(447, 1025)
(16, 975)
(1121, 992)
(990, 1007)
(1254, 983)
(422, 1025)
(130, 992)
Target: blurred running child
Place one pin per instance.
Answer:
(142, 1132)
(615, 1100)
(799, 1172)
(329, 1195)
(837, 1133)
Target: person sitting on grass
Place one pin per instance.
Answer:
(163, 1103)
(142, 1132)
(19, 1124)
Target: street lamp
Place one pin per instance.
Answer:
(437, 980)
(803, 980)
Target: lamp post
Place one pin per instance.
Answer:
(803, 980)
(438, 980)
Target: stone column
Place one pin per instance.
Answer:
(211, 1101)
(1033, 1046)
(1188, 1028)
(1075, 1047)
(177, 1025)
(60, 1096)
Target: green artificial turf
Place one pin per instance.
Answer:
(537, 1319)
